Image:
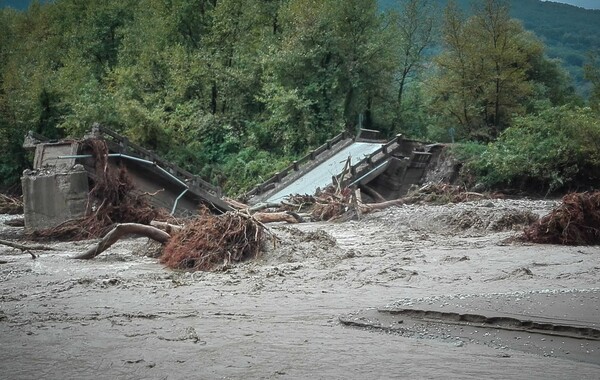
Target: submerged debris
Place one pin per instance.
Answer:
(212, 241)
(575, 222)
(443, 193)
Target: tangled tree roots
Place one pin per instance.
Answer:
(212, 241)
(111, 200)
(10, 205)
(575, 222)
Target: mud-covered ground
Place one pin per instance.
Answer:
(124, 316)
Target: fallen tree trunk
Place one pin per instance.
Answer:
(26, 247)
(372, 193)
(270, 217)
(262, 206)
(235, 204)
(368, 207)
(118, 232)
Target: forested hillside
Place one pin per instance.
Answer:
(233, 90)
(568, 32)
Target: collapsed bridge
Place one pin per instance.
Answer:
(57, 188)
(383, 170)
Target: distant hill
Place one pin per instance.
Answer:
(20, 4)
(568, 31)
(587, 4)
(17, 4)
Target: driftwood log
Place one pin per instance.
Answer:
(122, 230)
(372, 193)
(369, 207)
(271, 217)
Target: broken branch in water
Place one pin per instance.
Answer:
(26, 248)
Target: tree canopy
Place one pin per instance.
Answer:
(233, 90)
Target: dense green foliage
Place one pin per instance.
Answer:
(209, 84)
(592, 74)
(233, 90)
(555, 149)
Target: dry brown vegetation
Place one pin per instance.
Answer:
(575, 222)
(211, 241)
(11, 205)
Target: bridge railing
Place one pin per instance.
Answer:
(127, 146)
(296, 165)
(375, 158)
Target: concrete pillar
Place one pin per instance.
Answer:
(51, 198)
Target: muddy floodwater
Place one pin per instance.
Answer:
(124, 316)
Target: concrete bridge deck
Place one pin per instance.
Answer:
(384, 170)
(321, 176)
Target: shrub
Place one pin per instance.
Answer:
(558, 148)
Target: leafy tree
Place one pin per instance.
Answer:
(30, 51)
(415, 22)
(482, 79)
(552, 85)
(333, 62)
(592, 74)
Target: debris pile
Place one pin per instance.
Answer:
(111, 200)
(576, 221)
(334, 203)
(328, 204)
(10, 205)
(211, 241)
(492, 219)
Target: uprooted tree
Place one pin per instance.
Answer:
(574, 222)
(204, 243)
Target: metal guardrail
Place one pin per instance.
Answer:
(126, 146)
(296, 165)
(374, 159)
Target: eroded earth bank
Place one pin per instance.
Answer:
(124, 316)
